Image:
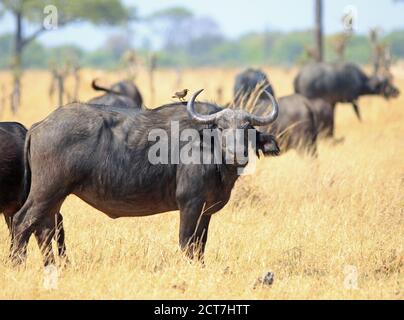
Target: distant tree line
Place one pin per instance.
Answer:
(208, 49)
(189, 40)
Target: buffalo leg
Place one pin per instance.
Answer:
(357, 110)
(193, 231)
(9, 220)
(60, 237)
(329, 126)
(8, 216)
(22, 230)
(312, 150)
(44, 233)
(34, 217)
(331, 129)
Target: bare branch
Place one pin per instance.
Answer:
(33, 36)
(42, 29)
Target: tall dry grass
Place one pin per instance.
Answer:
(305, 220)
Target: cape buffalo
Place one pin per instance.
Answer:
(12, 138)
(247, 81)
(123, 93)
(295, 127)
(341, 82)
(324, 114)
(102, 155)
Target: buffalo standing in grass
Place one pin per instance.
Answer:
(101, 154)
(324, 115)
(12, 138)
(295, 127)
(247, 82)
(121, 94)
(341, 83)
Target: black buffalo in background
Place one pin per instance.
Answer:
(12, 139)
(247, 82)
(340, 83)
(295, 127)
(121, 94)
(324, 117)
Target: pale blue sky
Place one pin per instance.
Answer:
(236, 17)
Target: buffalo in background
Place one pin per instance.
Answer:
(295, 127)
(324, 115)
(330, 84)
(12, 138)
(121, 94)
(246, 84)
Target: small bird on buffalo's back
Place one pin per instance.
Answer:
(180, 94)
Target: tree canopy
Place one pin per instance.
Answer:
(94, 11)
(187, 39)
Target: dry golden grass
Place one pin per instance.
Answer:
(304, 220)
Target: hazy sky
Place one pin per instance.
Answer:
(236, 17)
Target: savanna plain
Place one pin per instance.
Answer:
(329, 228)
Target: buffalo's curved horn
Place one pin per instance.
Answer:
(264, 121)
(202, 119)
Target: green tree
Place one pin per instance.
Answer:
(61, 13)
(290, 48)
(35, 55)
(64, 54)
(173, 24)
(6, 47)
(396, 40)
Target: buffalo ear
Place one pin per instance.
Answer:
(267, 144)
